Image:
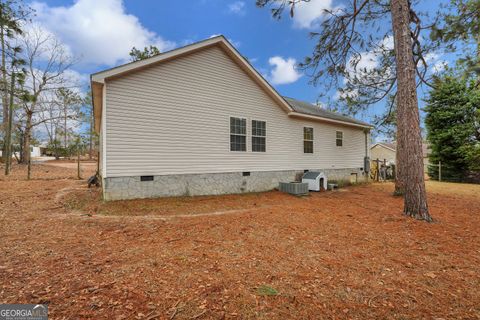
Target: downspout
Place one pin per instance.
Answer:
(92, 127)
(366, 161)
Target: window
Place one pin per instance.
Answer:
(307, 140)
(339, 138)
(238, 134)
(259, 132)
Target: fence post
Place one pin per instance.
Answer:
(439, 170)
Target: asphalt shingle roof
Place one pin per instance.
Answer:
(310, 109)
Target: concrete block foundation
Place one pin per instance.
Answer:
(121, 188)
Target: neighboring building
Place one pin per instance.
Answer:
(388, 150)
(35, 152)
(384, 151)
(201, 120)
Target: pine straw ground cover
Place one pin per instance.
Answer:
(336, 255)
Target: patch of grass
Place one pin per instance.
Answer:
(265, 290)
(88, 201)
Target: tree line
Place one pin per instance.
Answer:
(39, 92)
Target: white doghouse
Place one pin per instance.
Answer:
(316, 180)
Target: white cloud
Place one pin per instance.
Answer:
(434, 61)
(284, 71)
(99, 31)
(76, 80)
(361, 67)
(238, 7)
(307, 15)
(370, 59)
(439, 66)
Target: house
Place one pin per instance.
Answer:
(387, 151)
(35, 151)
(384, 151)
(201, 120)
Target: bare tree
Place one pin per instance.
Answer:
(89, 118)
(47, 61)
(61, 114)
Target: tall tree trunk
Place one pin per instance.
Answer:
(399, 160)
(4, 88)
(8, 135)
(478, 51)
(79, 174)
(27, 135)
(408, 119)
(65, 125)
(90, 151)
(22, 139)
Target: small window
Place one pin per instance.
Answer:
(259, 133)
(146, 178)
(339, 138)
(307, 140)
(246, 173)
(238, 134)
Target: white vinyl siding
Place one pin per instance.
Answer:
(173, 118)
(382, 153)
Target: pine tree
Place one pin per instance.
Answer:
(453, 127)
(148, 52)
(352, 29)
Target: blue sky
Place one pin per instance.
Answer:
(101, 33)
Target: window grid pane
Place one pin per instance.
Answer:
(259, 128)
(238, 126)
(238, 143)
(258, 144)
(307, 133)
(308, 146)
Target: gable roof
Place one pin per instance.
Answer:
(291, 106)
(388, 145)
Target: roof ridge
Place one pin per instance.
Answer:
(161, 53)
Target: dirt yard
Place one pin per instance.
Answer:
(338, 255)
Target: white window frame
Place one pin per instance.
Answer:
(337, 138)
(256, 136)
(235, 134)
(312, 140)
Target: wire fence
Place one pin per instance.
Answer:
(381, 170)
(443, 172)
